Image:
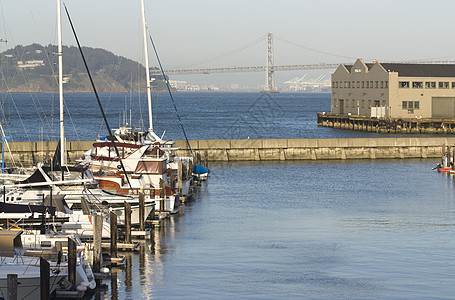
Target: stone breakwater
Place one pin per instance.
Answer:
(28, 153)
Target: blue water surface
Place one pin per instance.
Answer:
(207, 115)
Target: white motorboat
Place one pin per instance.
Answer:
(36, 244)
(26, 268)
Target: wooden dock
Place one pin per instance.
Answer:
(387, 125)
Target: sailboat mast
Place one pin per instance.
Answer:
(147, 70)
(60, 84)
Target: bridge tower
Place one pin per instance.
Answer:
(269, 71)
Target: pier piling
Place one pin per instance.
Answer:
(141, 211)
(113, 244)
(11, 286)
(97, 235)
(128, 222)
(44, 278)
(72, 260)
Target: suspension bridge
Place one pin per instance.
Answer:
(270, 67)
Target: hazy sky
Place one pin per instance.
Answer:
(189, 32)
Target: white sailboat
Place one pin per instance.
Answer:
(61, 179)
(150, 161)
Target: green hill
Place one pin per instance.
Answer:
(34, 68)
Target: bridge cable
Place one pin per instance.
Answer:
(170, 94)
(313, 50)
(262, 38)
(97, 97)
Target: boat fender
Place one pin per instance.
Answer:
(104, 270)
(92, 285)
(81, 288)
(85, 283)
(65, 284)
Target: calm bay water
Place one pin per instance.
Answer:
(307, 230)
(278, 230)
(35, 117)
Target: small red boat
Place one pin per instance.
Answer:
(444, 170)
(446, 164)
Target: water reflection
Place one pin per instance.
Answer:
(128, 273)
(114, 287)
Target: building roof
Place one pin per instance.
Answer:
(421, 70)
(348, 67)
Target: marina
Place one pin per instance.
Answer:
(65, 210)
(119, 183)
(323, 242)
(386, 239)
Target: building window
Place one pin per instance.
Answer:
(369, 103)
(410, 105)
(386, 84)
(443, 85)
(347, 103)
(417, 84)
(376, 84)
(349, 84)
(363, 84)
(382, 84)
(353, 84)
(353, 103)
(453, 85)
(430, 85)
(403, 84)
(383, 103)
(363, 103)
(357, 70)
(371, 84)
(367, 84)
(358, 84)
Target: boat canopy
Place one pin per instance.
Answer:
(25, 208)
(8, 240)
(200, 169)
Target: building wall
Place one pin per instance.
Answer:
(357, 95)
(365, 89)
(422, 95)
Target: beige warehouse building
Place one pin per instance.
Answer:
(394, 90)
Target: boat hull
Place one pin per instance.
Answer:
(28, 281)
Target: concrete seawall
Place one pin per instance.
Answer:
(264, 149)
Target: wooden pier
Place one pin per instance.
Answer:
(387, 125)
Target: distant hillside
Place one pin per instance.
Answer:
(35, 68)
